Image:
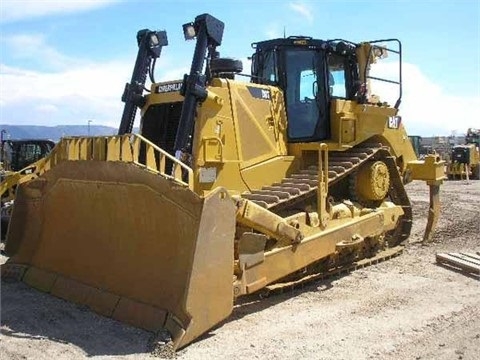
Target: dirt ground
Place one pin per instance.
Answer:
(405, 308)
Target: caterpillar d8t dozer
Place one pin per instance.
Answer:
(229, 187)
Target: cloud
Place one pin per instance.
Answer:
(34, 47)
(302, 9)
(47, 108)
(17, 10)
(171, 73)
(426, 108)
(66, 97)
(86, 91)
(273, 31)
(67, 90)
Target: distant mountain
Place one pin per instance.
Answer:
(55, 132)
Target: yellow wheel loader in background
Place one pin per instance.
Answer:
(229, 187)
(465, 159)
(15, 158)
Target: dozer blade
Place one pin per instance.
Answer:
(127, 243)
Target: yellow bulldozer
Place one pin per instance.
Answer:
(229, 187)
(464, 160)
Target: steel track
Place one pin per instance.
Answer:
(303, 185)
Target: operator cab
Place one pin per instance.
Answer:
(311, 73)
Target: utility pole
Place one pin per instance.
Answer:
(89, 121)
(2, 153)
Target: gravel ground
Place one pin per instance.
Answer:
(405, 308)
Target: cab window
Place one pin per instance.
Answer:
(300, 93)
(336, 77)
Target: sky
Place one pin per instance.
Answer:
(67, 62)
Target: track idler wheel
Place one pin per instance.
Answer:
(372, 181)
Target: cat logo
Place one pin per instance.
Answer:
(394, 122)
(259, 93)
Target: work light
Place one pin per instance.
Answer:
(189, 31)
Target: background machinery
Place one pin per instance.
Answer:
(465, 159)
(16, 155)
(229, 187)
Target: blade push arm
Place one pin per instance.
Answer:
(150, 45)
(208, 31)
